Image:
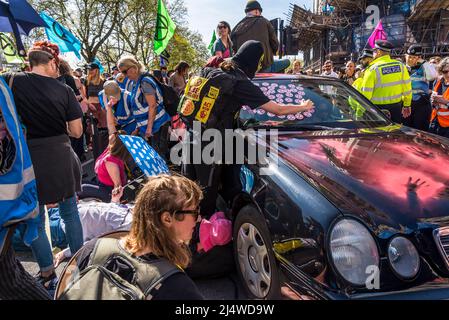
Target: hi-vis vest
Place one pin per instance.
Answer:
(206, 96)
(123, 111)
(18, 191)
(387, 81)
(140, 106)
(441, 112)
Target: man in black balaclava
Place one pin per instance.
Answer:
(247, 57)
(236, 90)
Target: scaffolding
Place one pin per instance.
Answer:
(337, 29)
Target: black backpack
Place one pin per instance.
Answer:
(170, 96)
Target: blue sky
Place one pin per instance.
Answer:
(204, 15)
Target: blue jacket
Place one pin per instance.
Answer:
(123, 111)
(18, 191)
(140, 106)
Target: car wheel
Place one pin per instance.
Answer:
(256, 264)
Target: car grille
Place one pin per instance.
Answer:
(442, 238)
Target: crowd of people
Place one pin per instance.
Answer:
(65, 114)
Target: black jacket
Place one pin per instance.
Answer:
(259, 29)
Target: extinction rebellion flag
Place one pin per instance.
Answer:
(9, 49)
(56, 33)
(165, 28)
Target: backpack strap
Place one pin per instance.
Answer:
(148, 275)
(11, 80)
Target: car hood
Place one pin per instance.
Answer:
(394, 180)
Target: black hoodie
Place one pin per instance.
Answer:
(248, 57)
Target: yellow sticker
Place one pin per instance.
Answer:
(206, 107)
(194, 87)
(213, 93)
(187, 107)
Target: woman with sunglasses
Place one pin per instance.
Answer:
(164, 217)
(223, 45)
(148, 105)
(440, 101)
(51, 114)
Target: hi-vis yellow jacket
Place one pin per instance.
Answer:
(387, 81)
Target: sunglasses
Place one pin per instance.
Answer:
(195, 213)
(126, 71)
(445, 71)
(222, 27)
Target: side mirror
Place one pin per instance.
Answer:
(387, 113)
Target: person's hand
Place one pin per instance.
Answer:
(59, 258)
(307, 105)
(135, 132)
(148, 133)
(117, 194)
(111, 102)
(406, 112)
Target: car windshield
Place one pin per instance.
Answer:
(336, 106)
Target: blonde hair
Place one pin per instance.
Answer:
(111, 88)
(161, 194)
(129, 62)
(94, 78)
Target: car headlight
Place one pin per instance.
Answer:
(403, 257)
(354, 251)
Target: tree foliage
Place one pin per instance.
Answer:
(109, 29)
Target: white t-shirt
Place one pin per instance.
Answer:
(98, 218)
(332, 74)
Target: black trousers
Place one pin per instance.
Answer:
(421, 113)
(395, 110)
(15, 282)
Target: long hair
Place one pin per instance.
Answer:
(116, 147)
(94, 78)
(229, 33)
(181, 67)
(161, 194)
(64, 68)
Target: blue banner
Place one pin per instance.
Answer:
(58, 34)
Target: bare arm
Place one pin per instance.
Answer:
(114, 172)
(75, 128)
(110, 116)
(280, 109)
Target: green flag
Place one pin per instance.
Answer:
(165, 28)
(9, 49)
(211, 44)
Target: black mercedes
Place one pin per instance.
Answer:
(350, 206)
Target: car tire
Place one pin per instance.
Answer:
(254, 256)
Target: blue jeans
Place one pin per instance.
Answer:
(278, 66)
(41, 248)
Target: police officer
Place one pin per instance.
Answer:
(365, 60)
(230, 88)
(387, 83)
(421, 73)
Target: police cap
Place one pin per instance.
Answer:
(384, 45)
(415, 50)
(367, 53)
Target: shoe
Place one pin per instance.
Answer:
(49, 282)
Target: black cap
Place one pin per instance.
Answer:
(253, 5)
(415, 50)
(248, 57)
(384, 45)
(114, 68)
(93, 66)
(367, 53)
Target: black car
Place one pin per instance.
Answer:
(353, 205)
